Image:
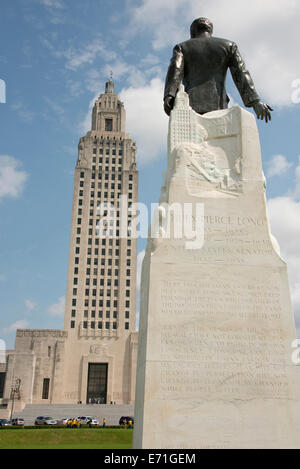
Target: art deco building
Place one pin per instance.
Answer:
(94, 358)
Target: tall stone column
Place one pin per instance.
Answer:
(215, 363)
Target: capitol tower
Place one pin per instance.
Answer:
(100, 314)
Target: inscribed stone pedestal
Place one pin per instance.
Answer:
(216, 326)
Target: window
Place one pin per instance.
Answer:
(85, 324)
(126, 325)
(72, 324)
(108, 125)
(46, 386)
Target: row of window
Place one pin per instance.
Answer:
(109, 151)
(100, 314)
(130, 176)
(93, 292)
(90, 233)
(101, 282)
(105, 252)
(109, 303)
(100, 325)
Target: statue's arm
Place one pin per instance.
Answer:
(173, 79)
(245, 85)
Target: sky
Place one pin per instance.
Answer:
(55, 57)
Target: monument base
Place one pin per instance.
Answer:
(215, 365)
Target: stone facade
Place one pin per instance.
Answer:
(94, 357)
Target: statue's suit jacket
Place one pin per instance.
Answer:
(201, 64)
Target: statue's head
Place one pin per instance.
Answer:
(201, 25)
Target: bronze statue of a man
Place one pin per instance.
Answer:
(201, 63)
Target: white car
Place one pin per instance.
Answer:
(45, 421)
(88, 420)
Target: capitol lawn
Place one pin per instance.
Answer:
(65, 438)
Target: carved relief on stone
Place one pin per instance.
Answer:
(207, 170)
(99, 349)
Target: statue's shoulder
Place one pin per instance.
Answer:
(222, 41)
(214, 41)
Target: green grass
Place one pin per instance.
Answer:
(66, 438)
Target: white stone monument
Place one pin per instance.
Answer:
(215, 365)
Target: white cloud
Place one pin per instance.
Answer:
(30, 305)
(278, 165)
(12, 179)
(53, 3)
(145, 119)
(21, 324)
(77, 57)
(57, 309)
(267, 34)
(21, 110)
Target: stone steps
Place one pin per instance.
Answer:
(111, 413)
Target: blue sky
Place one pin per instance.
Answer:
(55, 57)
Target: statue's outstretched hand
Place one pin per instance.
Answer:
(168, 104)
(262, 110)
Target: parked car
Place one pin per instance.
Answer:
(63, 421)
(18, 421)
(85, 419)
(4, 423)
(125, 420)
(88, 420)
(93, 423)
(45, 421)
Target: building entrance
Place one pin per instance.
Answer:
(97, 383)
